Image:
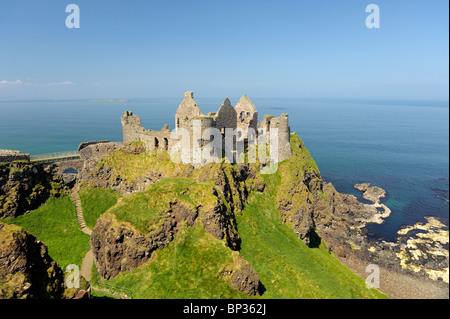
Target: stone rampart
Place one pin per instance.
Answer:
(9, 156)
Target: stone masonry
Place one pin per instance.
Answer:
(242, 119)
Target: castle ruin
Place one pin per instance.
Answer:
(236, 125)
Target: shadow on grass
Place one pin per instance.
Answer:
(315, 239)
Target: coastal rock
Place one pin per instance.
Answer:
(425, 248)
(24, 187)
(118, 246)
(26, 269)
(371, 193)
(377, 212)
(221, 224)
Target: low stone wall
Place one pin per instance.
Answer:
(96, 152)
(85, 144)
(9, 156)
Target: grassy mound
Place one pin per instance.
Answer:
(194, 265)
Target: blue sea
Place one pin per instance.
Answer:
(400, 146)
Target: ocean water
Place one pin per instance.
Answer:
(400, 146)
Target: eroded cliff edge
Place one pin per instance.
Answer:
(26, 269)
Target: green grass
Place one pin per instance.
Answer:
(96, 201)
(130, 166)
(95, 294)
(55, 224)
(146, 210)
(190, 267)
(286, 266)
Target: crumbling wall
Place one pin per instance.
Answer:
(284, 134)
(247, 117)
(9, 156)
(156, 140)
(97, 152)
(226, 116)
(131, 127)
(186, 111)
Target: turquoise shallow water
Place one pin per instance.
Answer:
(400, 146)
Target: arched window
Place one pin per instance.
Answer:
(166, 144)
(156, 143)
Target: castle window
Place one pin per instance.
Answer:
(248, 114)
(178, 122)
(156, 143)
(166, 144)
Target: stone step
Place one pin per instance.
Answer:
(79, 210)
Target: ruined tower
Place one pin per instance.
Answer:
(226, 116)
(247, 117)
(187, 110)
(280, 125)
(131, 127)
(152, 140)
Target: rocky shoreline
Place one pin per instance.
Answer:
(374, 194)
(418, 260)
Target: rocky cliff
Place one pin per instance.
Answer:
(26, 269)
(24, 187)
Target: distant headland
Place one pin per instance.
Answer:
(109, 101)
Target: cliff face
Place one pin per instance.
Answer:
(26, 269)
(24, 187)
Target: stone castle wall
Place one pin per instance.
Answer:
(152, 140)
(98, 151)
(9, 156)
(284, 135)
(240, 118)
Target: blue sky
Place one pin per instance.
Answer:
(145, 49)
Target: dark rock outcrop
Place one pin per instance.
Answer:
(24, 187)
(220, 223)
(26, 269)
(245, 279)
(118, 246)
